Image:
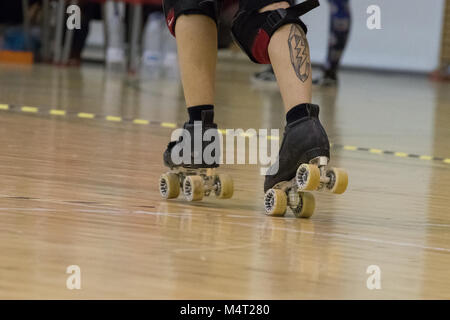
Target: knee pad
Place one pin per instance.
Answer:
(174, 8)
(252, 30)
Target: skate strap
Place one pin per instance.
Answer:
(208, 116)
(280, 16)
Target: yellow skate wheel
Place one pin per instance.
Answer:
(275, 202)
(306, 205)
(169, 185)
(225, 186)
(308, 177)
(338, 180)
(193, 188)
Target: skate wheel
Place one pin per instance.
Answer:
(169, 185)
(306, 205)
(193, 188)
(275, 202)
(308, 177)
(338, 180)
(225, 186)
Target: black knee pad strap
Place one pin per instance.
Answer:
(174, 8)
(252, 30)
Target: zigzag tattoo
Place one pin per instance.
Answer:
(299, 52)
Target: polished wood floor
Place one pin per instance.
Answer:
(84, 192)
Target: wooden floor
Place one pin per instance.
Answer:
(84, 192)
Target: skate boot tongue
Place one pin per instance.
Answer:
(208, 116)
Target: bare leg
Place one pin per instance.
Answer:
(196, 37)
(197, 53)
(289, 54)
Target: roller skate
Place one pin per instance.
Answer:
(195, 175)
(302, 167)
(327, 79)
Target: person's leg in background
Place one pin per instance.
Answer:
(228, 11)
(340, 22)
(153, 37)
(264, 78)
(89, 11)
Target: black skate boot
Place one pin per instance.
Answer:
(304, 153)
(192, 161)
(186, 142)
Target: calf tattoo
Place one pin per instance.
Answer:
(299, 52)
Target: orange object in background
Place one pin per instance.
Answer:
(20, 57)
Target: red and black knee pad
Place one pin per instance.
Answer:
(174, 8)
(252, 30)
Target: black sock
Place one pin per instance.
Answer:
(195, 113)
(297, 112)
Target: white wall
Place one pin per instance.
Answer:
(409, 39)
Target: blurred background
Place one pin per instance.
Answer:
(414, 35)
